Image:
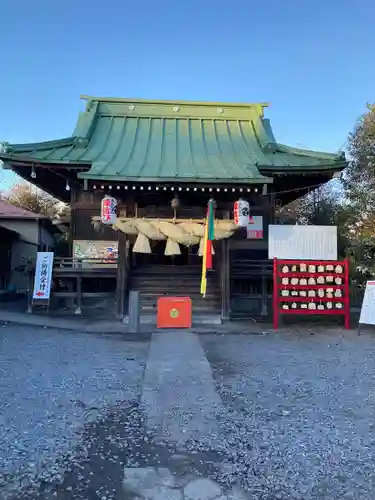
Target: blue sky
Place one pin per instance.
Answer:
(312, 60)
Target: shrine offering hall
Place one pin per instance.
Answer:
(139, 176)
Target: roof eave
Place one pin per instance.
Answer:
(24, 159)
(276, 147)
(37, 146)
(170, 102)
(338, 167)
(25, 217)
(175, 180)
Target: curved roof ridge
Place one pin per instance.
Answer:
(38, 146)
(283, 148)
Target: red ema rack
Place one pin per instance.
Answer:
(310, 287)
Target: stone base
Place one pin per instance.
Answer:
(149, 483)
(198, 319)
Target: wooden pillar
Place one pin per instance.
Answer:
(78, 309)
(264, 308)
(30, 291)
(225, 279)
(122, 266)
(272, 208)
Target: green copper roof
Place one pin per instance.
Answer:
(137, 140)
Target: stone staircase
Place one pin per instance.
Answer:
(176, 281)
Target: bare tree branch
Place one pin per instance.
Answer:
(27, 196)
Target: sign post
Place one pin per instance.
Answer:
(367, 316)
(43, 278)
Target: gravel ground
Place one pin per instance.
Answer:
(294, 420)
(52, 383)
(300, 414)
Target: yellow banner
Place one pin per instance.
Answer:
(204, 262)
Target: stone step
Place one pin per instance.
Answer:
(172, 290)
(175, 282)
(195, 305)
(166, 270)
(200, 309)
(199, 318)
(196, 295)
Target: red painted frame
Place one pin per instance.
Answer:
(277, 298)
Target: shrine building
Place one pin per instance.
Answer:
(161, 162)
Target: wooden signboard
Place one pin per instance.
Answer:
(302, 242)
(367, 316)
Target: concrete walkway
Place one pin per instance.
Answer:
(179, 395)
(181, 404)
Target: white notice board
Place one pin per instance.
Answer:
(368, 305)
(43, 276)
(302, 242)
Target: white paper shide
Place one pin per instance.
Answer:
(43, 276)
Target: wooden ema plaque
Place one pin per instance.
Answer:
(310, 287)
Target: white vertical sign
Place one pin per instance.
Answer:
(368, 305)
(255, 227)
(302, 242)
(43, 276)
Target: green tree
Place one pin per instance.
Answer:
(359, 177)
(359, 206)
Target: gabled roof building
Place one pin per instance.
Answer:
(146, 153)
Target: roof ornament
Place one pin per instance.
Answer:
(81, 142)
(212, 201)
(270, 147)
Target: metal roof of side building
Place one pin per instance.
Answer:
(9, 211)
(165, 141)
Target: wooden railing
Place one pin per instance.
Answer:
(83, 262)
(68, 273)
